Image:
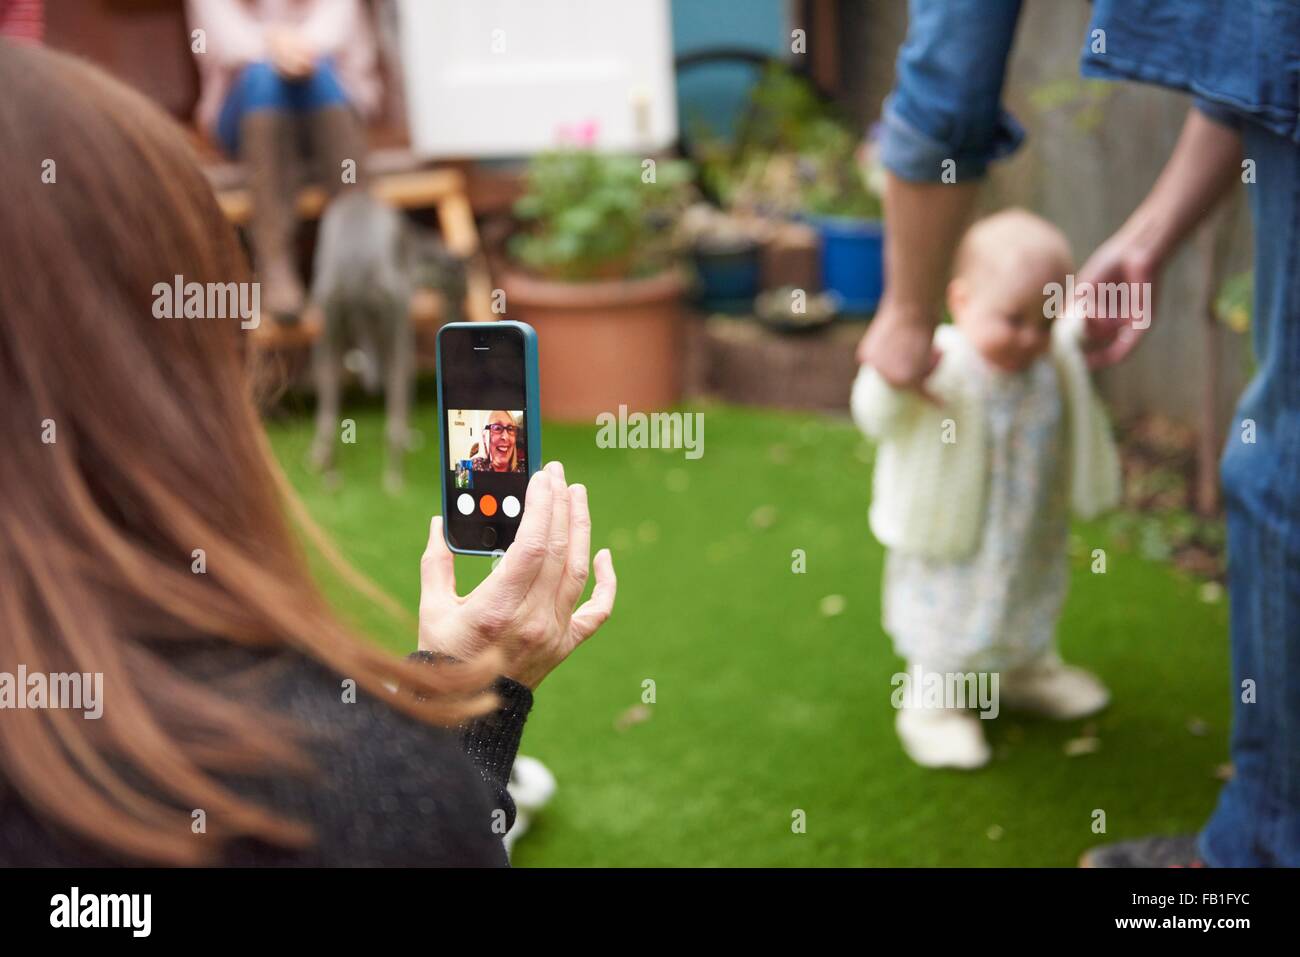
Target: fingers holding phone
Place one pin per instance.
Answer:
(525, 607)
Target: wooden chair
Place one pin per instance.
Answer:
(442, 189)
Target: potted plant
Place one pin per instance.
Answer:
(594, 271)
(840, 203)
(753, 178)
(725, 251)
(796, 158)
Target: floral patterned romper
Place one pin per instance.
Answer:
(998, 608)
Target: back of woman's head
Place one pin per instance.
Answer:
(131, 441)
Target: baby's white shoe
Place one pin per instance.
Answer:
(942, 737)
(532, 786)
(1054, 689)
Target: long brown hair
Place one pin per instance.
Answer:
(131, 441)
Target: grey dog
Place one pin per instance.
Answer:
(369, 260)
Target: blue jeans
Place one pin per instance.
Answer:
(947, 101)
(1257, 821)
(259, 87)
(945, 112)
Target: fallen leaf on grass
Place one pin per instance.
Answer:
(637, 714)
(832, 605)
(763, 517)
(1077, 747)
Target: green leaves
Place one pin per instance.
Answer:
(1235, 301)
(593, 216)
(793, 153)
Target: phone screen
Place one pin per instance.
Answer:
(485, 435)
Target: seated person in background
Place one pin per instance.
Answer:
(267, 68)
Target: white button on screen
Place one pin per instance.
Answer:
(510, 505)
(465, 503)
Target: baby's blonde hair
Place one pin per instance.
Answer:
(1036, 245)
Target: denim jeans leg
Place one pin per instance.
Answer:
(258, 87)
(946, 106)
(318, 90)
(1257, 821)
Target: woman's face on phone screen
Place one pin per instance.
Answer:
(499, 437)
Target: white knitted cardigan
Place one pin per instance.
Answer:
(929, 484)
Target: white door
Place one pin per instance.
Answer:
(491, 78)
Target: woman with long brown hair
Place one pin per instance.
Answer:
(241, 722)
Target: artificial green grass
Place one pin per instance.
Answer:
(766, 705)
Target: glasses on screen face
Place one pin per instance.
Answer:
(496, 428)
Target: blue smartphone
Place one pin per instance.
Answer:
(489, 418)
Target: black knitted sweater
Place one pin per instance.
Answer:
(387, 789)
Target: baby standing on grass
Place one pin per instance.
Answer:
(974, 484)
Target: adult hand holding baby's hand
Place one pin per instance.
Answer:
(1107, 339)
(899, 345)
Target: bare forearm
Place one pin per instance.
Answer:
(1205, 162)
(923, 223)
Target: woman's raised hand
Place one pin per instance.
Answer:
(526, 607)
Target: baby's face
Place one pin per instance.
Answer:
(1005, 320)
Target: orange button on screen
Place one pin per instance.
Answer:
(488, 504)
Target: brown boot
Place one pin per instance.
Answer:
(268, 148)
(338, 146)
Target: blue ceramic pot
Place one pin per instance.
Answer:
(852, 261)
(728, 277)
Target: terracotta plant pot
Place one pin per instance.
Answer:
(603, 344)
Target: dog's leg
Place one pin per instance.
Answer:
(327, 370)
(397, 398)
